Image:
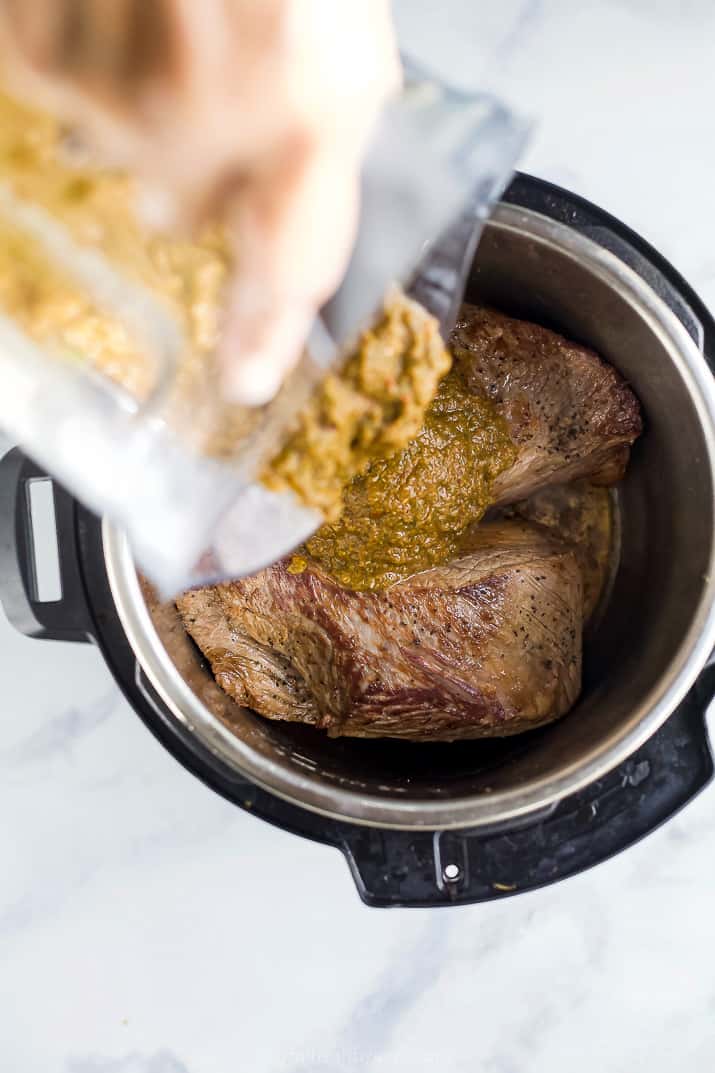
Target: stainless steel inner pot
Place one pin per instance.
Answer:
(657, 632)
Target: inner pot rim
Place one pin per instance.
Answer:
(474, 810)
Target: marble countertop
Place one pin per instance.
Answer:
(147, 926)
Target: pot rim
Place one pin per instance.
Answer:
(475, 810)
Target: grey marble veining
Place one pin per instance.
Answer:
(147, 926)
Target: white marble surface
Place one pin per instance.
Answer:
(146, 926)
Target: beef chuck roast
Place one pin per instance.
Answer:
(569, 413)
(487, 645)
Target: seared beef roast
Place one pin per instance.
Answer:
(570, 414)
(487, 645)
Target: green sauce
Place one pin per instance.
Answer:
(413, 510)
(366, 412)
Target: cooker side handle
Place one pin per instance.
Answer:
(67, 617)
(408, 868)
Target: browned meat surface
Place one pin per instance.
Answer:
(570, 414)
(582, 517)
(254, 674)
(488, 645)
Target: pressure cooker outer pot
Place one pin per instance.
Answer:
(458, 823)
(390, 867)
(659, 628)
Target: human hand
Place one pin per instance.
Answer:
(257, 110)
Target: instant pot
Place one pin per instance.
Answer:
(444, 824)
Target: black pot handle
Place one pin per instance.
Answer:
(404, 868)
(63, 619)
